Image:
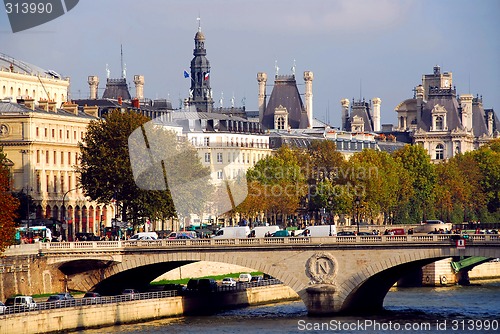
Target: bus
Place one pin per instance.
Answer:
(32, 234)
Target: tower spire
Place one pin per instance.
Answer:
(124, 68)
(199, 23)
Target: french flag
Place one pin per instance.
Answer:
(207, 75)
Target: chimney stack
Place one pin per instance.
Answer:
(93, 81)
(70, 107)
(262, 79)
(43, 104)
(308, 78)
(345, 113)
(376, 114)
(91, 110)
(139, 86)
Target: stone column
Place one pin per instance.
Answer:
(376, 113)
(345, 113)
(139, 86)
(262, 79)
(93, 81)
(308, 78)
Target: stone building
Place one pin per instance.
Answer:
(285, 109)
(441, 121)
(362, 116)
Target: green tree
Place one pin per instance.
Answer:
(422, 176)
(106, 172)
(8, 205)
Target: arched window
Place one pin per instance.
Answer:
(280, 123)
(439, 152)
(439, 123)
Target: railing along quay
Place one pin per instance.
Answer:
(77, 302)
(363, 240)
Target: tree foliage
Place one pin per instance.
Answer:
(106, 172)
(8, 206)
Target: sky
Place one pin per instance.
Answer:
(355, 48)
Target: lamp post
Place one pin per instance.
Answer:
(330, 214)
(64, 210)
(356, 202)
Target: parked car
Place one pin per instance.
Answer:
(9, 301)
(207, 285)
(228, 281)
(256, 279)
(132, 293)
(192, 284)
(345, 234)
(62, 299)
(2, 308)
(245, 278)
(91, 295)
(175, 287)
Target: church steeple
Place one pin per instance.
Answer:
(200, 93)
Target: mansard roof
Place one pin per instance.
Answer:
(479, 125)
(285, 93)
(116, 88)
(11, 107)
(450, 103)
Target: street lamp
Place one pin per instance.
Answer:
(64, 210)
(357, 201)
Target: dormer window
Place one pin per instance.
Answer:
(438, 118)
(439, 123)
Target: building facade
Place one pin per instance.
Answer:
(441, 121)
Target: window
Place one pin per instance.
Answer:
(439, 152)
(219, 175)
(280, 123)
(62, 183)
(55, 158)
(207, 157)
(37, 132)
(47, 183)
(60, 134)
(206, 141)
(46, 157)
(67, 134)
(53, 133)
(74, 135)
(38, 182)
(55, 183)
(37, 156)
(45, 132)
(439, 123)
(76, 158)
(62, 158)
(219, 157)
(69, 158)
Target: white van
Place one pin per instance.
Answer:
(232, 232)
(144, 236)
(245, 278)
(182, 235)
(24, 301)
(320, 231)
(260, 231)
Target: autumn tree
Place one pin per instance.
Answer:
(106, 170)
(8, 205)
(422, 177)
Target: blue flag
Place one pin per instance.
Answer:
(186, 74)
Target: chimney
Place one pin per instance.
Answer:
(345, 113)
(70, 107)
(52, 106)
(91, 111)
(29, 103)
(135, 103)
(466, 104)
(139, 86)
(262, 79)
(419, 94)
(376, 114)
(93, 81)
(43, 104)
(308, 78)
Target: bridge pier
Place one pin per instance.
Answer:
(320, 300)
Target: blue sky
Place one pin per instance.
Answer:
(382, 46)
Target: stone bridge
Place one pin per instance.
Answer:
(331, 275)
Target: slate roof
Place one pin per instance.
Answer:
(479, 120)
(116, 88)
(361, 109)
(286, 94)
(10, 107)
(450, 103)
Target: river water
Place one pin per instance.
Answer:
(457, 309)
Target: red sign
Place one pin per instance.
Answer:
(460, 244)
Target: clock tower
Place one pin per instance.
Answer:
(200, 93)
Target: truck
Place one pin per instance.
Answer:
(232, 232)
(320, 231)
(261, 231)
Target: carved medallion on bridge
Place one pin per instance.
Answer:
(321, 268)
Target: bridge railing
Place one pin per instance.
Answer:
(363, 239)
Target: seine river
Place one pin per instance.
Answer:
(472, 309)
